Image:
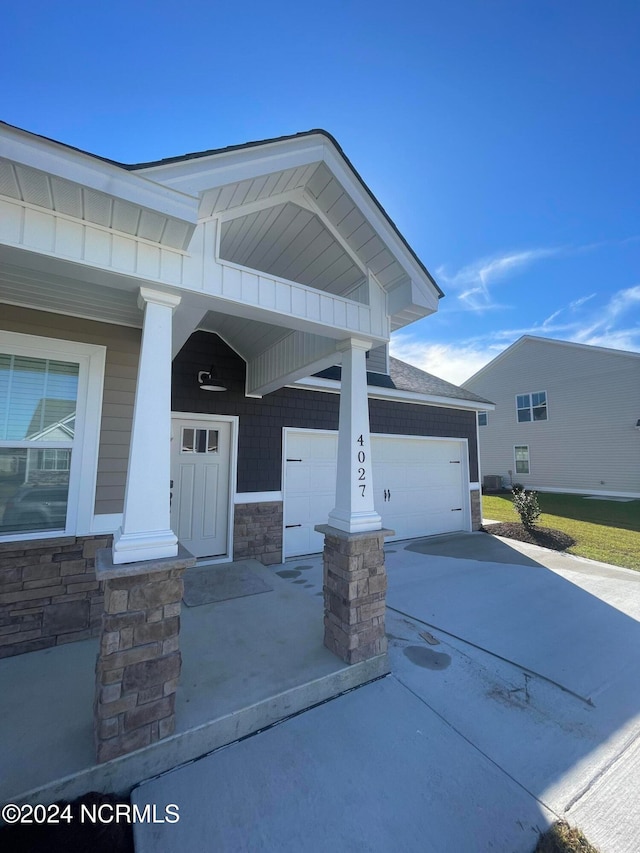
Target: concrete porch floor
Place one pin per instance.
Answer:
(247, 663)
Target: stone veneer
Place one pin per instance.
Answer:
(257, 532)
(139, 659)
(476, 509)
(355, 584)
(49, 593)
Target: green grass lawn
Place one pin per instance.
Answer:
(603, 530)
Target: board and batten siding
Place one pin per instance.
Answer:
(589, 442)
(121, 368)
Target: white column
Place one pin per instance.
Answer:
(146, 530)
(354, 511)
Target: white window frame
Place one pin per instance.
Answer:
(515, 460)
(531, 407)
(84, 457)
(486, 418)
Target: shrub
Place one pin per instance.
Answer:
(526, 505)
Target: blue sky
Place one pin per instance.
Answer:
(501, 136)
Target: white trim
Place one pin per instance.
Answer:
(515, 462)
(87, 170)
(234, 420)
(332, 386)
(106, 229)
(84, 458)
(257, 497)
(531, 407)
(474, 487)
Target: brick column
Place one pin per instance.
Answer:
(139, 660)
(476, 509)
(355, 584)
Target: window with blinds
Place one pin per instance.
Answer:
(38, 398)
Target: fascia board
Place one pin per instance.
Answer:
(379, 221)
(53, 158)
(313, 383)
(197, 174)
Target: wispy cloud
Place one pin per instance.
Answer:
(572, 307)
(614, 324)
(472, 283)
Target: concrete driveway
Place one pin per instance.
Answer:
(514, 699)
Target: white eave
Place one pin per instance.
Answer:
(47, 174)
(294, 161)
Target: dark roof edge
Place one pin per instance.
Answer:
(66, 145)
(132, 167)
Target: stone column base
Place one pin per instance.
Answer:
(139, 661)
(355, 584)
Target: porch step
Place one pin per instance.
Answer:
(122, 774)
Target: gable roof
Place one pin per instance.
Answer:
(256, 144)
(525, 339)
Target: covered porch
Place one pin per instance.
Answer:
(282, 251)
(247, 663)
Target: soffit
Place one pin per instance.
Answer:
(49, 292)
(249, 338)
(38, 188)
(340, 221)
(290, 242)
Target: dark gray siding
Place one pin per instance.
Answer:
(261, 420)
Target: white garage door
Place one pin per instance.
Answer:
(420, 486)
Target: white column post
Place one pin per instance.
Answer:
(146, 530)
(354, 511)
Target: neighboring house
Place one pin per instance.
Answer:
(567, 417)
(194, 354)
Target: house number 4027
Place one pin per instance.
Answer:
(362, 471)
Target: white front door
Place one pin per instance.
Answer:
(200, 465)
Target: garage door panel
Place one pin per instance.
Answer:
(298, 511)
(419, 486)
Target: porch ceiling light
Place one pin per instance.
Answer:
(208, 380)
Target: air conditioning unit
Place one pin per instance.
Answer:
(492, 483)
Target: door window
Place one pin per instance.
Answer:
(199, 440)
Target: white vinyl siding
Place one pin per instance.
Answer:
(589, 443)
